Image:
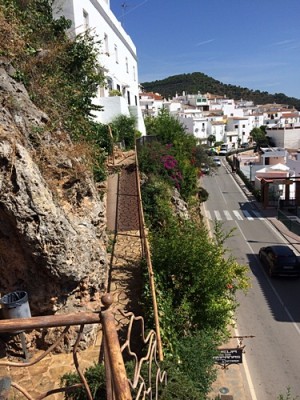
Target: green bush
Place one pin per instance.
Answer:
(179, 386)
(164, 161)
(196, 354)
(203, 195)
(123, 130)
(96, 380)
(194, 269)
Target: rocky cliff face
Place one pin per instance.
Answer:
(52, 219)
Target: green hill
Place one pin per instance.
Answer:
(198, 82)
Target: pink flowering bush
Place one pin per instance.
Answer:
(170, 165)
(165, 161)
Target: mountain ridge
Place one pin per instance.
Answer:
(195, 82)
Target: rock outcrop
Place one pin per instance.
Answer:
(52, 218)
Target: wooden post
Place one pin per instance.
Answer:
(112, 142)
(298, 193)
(121, 387)
(147, 255)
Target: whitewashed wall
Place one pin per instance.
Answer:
(286, 138)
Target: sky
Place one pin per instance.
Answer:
(247, 43)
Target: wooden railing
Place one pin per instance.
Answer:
(147, 256)
(118, 387)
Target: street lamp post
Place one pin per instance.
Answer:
(280, 193)
(250, 165)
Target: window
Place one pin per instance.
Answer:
(135, 99)
(236, 126)
(106, 48)
(128, 97)
(85, 20)
(116, 54)
(101, 91)
(134, 74)
(126, 63)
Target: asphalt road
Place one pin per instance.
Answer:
(271, 309)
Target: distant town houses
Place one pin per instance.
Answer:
(206, 116)
(229, 121)
(118, 57)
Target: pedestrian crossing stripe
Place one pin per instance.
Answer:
(248, 215)
(257, 215)
(218, 215)
(237, 214)
(227, 215)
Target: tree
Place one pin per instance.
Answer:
(259, 136)
(123, 130)
(170, 130)
(211, 139)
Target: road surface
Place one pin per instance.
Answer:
(271, 309)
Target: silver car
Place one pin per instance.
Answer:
(217, 161)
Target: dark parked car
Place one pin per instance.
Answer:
(205, 169)
(280, 260)
(245, 145)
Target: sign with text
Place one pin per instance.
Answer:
(230, 356)
(282, 182)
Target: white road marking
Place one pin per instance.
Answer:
(258, 215)
(237, 214)
(208, 215)
(218, 215)
(227, 215)
(248, 215)
(247, 372)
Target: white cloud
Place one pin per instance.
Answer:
(205, 42)
(283, 42)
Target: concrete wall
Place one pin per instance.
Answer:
(284, 137)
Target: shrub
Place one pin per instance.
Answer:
(123, 130)
(96, 380)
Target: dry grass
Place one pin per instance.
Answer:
(12, 44)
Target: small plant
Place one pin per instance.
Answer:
(96, 380)
(115, 92)
(123, 130)
(287, 396)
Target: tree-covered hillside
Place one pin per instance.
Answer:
(199, 82)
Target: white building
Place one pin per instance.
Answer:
(195, 123)
(117, 56)
(150, 103)
(216, 128)
(238, 129)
